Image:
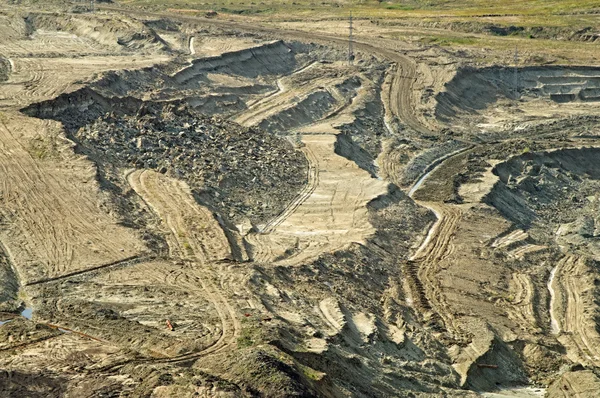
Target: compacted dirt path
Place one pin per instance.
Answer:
(194, 236)
(572, 306)
(332, 213)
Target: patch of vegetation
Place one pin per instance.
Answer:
(188, 249)
(402, 7)
(250, 334)
(449, 40)
(310, 373)
(245, 340)
(43, 148)
(270, 372)
(245, 11)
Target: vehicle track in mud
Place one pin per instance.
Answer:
(422, 267)
(522, 306)
(424, 264)
(57, 223)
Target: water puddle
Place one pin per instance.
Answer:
(27, 312)
(554, 326)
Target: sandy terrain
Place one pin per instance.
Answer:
(438, 236)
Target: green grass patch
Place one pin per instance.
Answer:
(245, 11)
(43, 148)
(449, 40)
(401, 7)
(310, 373)
(251, 333)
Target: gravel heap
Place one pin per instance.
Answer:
(236, 171)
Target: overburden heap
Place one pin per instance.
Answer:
(237, 171)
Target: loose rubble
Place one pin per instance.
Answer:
(238, 171)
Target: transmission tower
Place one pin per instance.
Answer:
(516, 88)
(350, 44)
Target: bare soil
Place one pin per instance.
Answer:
(212, 207)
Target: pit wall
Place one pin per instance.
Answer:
(472, 90)
(271, 59)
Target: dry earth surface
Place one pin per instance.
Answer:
(228, 207)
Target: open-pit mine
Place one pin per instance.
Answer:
(218, 207)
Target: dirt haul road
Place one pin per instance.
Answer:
(400, 97)
(331, 215)
(194, 236)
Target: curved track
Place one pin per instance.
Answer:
(572, 309)
(195, 236)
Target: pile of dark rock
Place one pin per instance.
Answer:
(237, 171)
(5, 69)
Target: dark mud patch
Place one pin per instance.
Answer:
(32, 385)
(5, 69)
(9, 301)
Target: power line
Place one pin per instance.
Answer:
(350, 44)
(516, 87)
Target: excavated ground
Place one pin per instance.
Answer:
(188, 210)
(483, 99)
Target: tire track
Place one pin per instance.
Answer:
(174, 205)
(49, 210)
(573, 308)
(521, 308)
(423, 266)
(313, 181)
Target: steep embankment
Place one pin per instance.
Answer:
(473, 91)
